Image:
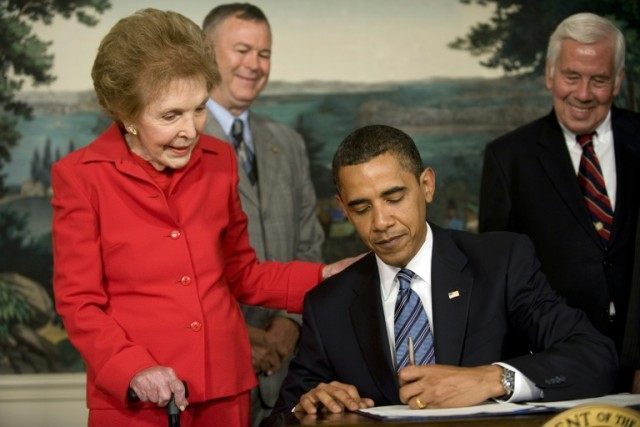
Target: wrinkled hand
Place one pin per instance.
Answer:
(335, 396)
(635, 386)
(156, 384)
(335, 268)
(443, 386)
(283, 334)
(264, 356)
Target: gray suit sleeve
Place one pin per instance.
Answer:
(310, 231)
(311, 235)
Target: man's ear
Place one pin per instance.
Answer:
(428, 184)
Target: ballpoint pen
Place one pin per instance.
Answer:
(412, 355)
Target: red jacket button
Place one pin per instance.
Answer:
(185, 280)
(175, 234)
(195, 326)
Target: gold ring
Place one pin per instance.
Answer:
(420, 404)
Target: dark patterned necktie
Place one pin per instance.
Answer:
(410, 320)
(593, 188)
(246, 156)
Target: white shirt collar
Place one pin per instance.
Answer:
(602, 132)
(420, 264)
(225, 119)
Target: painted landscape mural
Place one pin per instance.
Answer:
(451, 120)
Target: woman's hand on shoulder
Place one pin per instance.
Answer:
(336, 267)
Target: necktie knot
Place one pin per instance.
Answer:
(585, 139)
(404, 279)
(237, 129)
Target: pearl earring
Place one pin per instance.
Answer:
(132, 130)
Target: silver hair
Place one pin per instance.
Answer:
(587, 28)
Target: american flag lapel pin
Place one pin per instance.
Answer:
(454, 294)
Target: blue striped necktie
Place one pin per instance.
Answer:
(593, 189)
(410, 320)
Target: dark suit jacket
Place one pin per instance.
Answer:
(630, 354)
(529, 186)
(502, 292)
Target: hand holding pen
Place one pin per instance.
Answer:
(444, 386)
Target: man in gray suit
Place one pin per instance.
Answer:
(275, 186)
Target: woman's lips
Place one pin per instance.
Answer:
(180, 151)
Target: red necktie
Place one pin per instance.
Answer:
(593, 188)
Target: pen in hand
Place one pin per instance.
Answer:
(412, 355)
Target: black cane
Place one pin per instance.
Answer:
(173, 412)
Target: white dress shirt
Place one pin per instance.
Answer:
(225, 119)
(603, 147)
(420, 264)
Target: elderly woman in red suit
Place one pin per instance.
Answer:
(150, 243)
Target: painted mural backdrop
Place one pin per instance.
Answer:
(450, 119)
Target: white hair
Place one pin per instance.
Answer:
(587, 28)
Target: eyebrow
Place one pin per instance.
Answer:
(394, 190)
(385, 193)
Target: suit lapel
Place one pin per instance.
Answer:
(369, 326)
(268, 154)
(451, 285)
(244, 185)
(556, 162)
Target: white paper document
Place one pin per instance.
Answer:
(486, 409)
(623, 399)
(493, 408)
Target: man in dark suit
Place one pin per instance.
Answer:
(578, 206)
(460, 296)
(276, 190)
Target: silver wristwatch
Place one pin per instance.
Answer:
(508, 381)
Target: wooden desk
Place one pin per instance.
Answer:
(352, 419)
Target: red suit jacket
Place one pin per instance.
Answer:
(144, 279)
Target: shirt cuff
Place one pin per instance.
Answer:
(523, 389)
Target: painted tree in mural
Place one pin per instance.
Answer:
(515, 37)
(25, 261)
(23, 55)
